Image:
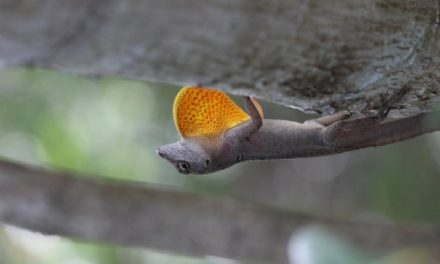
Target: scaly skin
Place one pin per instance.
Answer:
(263, 139)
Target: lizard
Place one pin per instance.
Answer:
(216, 133)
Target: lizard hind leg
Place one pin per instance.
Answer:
(326, 121)
(350, 131)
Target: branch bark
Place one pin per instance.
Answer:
(320, 56)
(132, 215)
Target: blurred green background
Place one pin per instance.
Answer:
(110, 128)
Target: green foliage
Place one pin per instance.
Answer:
(111, 128)
(404, 183)
(104, 127)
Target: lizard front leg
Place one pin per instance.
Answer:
(246, 129)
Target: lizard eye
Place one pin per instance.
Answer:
(183, 166)
(239, 158)
(207, 161)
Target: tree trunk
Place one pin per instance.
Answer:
(319, 56)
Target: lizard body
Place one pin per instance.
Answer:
(217, 134)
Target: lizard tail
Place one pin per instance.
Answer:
(398, 130)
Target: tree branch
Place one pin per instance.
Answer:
(68, 205)
(321, 56)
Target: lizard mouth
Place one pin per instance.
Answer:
(160, 153)
(163, 155)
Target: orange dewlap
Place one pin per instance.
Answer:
(205, 112)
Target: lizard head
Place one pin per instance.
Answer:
(187, 157)
(202, 116)
(192, 157)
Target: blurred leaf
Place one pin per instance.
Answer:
(404, 184)
(315, 245)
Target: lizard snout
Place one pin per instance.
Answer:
(160, 153)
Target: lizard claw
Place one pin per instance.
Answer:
(347, 114)
(383, 111)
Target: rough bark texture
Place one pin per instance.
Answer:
(63, 204)
(320, 56)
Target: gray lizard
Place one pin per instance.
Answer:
(216, 133)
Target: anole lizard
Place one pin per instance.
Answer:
(216, 133)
